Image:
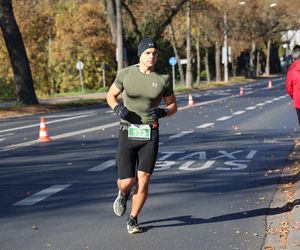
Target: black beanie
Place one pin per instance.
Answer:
(296, 52)
(144, 44)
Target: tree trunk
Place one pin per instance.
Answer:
(208, 80)
(119, 35)
(198, 62)
(112, 19)
(258, 66)
(189, 76)
(234, 68)
(218, 61)
(174, 45)
(268, 57)
(252, 59)
(17, 53)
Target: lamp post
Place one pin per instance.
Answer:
(119, 35)
(225, 53)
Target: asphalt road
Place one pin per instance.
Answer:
(216, 175)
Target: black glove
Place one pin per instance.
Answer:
(157, 112)
(122, 112)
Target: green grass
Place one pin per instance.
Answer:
(78, 103)
(77, 92)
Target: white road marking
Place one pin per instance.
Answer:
(182, 133)
(187, 165)
(24, 144)
(33, 199)
(206, 125)
(208, 102)
(239, 112)
(227, 154)
(260, 104)
(48, 122)
(7, 134)
(109, 111)
(251, 154)
(102, 166)
(3, 139)
(251, 108)
(234, 165)
(68, 115)
(224, 118)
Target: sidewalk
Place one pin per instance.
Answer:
(9, 111)
(283, 222)
(63, 99)
(56, 100)
(293, 240)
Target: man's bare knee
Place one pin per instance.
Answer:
(126, 184)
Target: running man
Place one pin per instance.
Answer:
(142, 90)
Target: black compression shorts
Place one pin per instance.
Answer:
(136, 155)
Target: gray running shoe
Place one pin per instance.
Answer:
(120, 204)
(133, 225)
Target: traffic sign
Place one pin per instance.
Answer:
(79, 65)
(172, 61)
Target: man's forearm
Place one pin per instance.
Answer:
(171, 109)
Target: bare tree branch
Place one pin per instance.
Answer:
(173, 12)
(133, 21)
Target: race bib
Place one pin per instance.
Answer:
(139, 132)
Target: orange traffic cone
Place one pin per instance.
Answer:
(191, 101)
(242, 91)
(43, 131)
(270, 85)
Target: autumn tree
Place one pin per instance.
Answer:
(189, 74)
(17, 53)
(81, 33)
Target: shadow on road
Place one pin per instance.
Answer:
(190, 220)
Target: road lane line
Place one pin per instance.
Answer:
(3, 139)
(102, 166)
(69, 115)
(224, 118)
(48, 122)
(7, 134)
(24, 144)
(208, 102)
(239, 112)
(33, 199)
(182, 133)
(251, 108)
(206, 125)
(88, 130)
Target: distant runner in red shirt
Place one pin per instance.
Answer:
(293, 80)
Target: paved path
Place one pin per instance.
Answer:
(63, 99)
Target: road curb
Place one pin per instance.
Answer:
(283, 222)
(293, 241)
